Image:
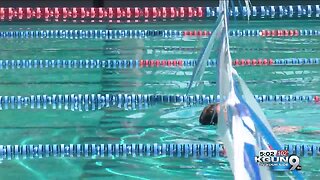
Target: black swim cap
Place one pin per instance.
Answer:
(209, 115)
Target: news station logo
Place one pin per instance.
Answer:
(278, 160)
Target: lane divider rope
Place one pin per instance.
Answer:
(11, 152)
(138, 34)
(129, 64)
(86, 102)
(22, 13)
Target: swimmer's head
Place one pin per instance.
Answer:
(209, 115)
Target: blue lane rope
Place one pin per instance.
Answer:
(11, 152)
(136, 34)
(98, 101)
(289, 11)
(91, 34)
(129, 64)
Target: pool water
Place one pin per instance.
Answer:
(161, 123)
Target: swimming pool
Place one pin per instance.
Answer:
(156, 123)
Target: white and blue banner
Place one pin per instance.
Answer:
(242, 124)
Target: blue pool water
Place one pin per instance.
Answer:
(160, 123)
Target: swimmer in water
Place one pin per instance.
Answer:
(209, 116)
